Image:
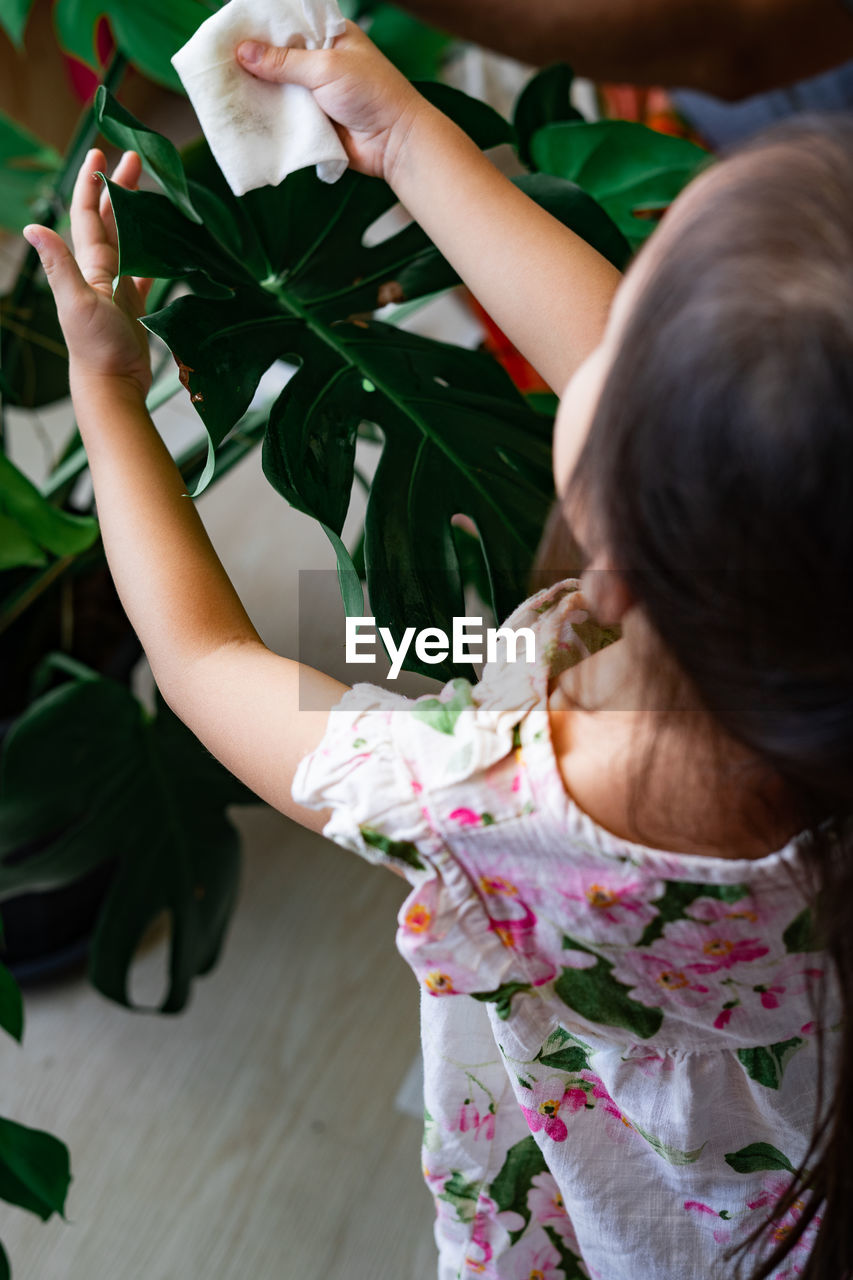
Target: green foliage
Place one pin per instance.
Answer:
(632, 171)
(418, 50)
(502, 996)
(13, 20)
(757, 1157)
(511, 1187)
(131, 788)
(677, 896)
(30, 526)
(11, 1005)
(148, 34)
(28, 166)
(596, 995)
(34, 1170)
(41, 372)
(544, 100)
(767, 1064)
(801, 935)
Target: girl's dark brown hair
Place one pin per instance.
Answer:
(718, 475)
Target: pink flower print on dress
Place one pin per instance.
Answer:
(773, 1187)
(658, 978)
(608, 906)
(544, 1102)
(471, 1121)
(721, 1233)
(535, 1258)
(470, 818)
(545, 1202)
(438, 983)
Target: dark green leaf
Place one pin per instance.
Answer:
(546, 99)
(574, 1058)
(159, 156)
(40, 368)
(11, 1005)
(28, 167)
(34, 1169)
(800, 934)
(678, 896)
(5, 1269)
(597, 996)
(30, 525)
(511, 1187)
(148, 34)
(416, 49)
(756, 1157)
(402, 849)
(627, 167)
(13, 18)
(502, 996)
(766, 1064)
(88, 777)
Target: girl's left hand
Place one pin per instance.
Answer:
(102, 333)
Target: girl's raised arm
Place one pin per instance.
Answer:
(545, 287)
(240, 699)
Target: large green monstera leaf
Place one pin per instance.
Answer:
(293, 272)
(130, 788)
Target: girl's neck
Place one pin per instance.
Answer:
(660, 777)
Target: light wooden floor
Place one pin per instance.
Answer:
(254, 1137)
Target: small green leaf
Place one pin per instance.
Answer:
(13, 19)
(766, 1064)
(502, 996)
(511, 1187)
(11, 1005)
(545, 99)
(572, 1059)
(34, 1169)
(672, 1155)
(757, 1157)
(159, 156)
(596, 995)
(403, 850)
(441, 714)
(462, 1195)
(801, 934)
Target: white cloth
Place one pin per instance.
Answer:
(260, 132)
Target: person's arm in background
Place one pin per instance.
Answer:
(729, 48)
(547, 289)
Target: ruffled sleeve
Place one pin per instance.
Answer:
(360, 772)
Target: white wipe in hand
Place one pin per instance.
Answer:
(260, 132)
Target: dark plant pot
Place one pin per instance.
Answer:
(50, 931)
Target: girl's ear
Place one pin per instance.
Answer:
(606, 590)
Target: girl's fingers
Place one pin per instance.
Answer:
(126, 174)
(87, 228)
(143, 286)
(294, 66)
(63, 275)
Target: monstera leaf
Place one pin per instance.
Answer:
(133, 788)
(632, 171)
(299, 272)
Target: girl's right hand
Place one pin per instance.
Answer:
(371, 103)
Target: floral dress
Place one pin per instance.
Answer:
(619, 1043)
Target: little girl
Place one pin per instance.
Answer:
(631, 1021)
